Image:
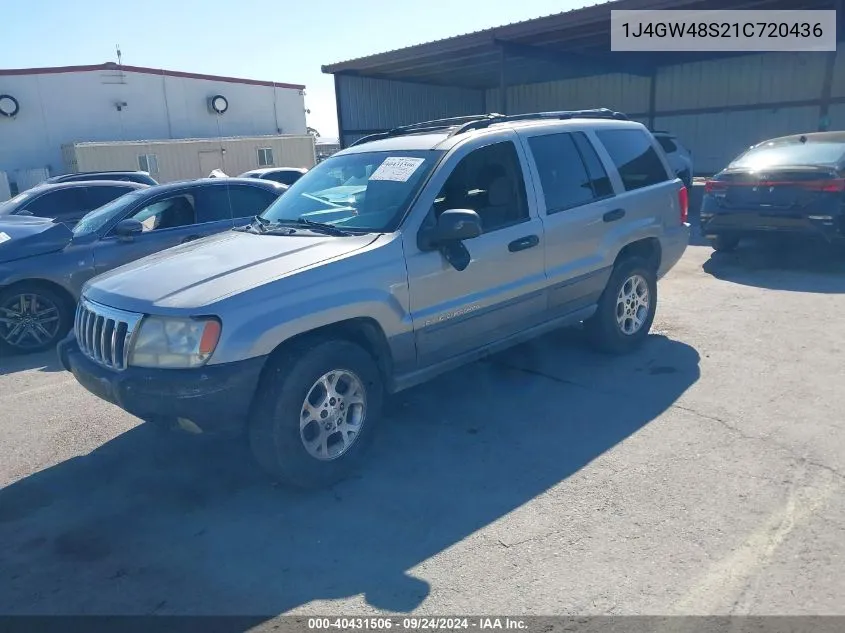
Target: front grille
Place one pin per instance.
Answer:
(104, 334)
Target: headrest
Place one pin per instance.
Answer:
(500, 192)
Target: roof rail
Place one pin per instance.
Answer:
(461, 124)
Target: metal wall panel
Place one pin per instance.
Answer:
(715, 139)
(180, 160)
(746, 80)
(625, 93)
(377, 104)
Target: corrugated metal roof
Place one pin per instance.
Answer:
(562, 45)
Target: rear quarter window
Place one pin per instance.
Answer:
(634, 157)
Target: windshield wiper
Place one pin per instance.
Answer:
(329, 229)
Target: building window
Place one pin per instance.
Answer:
(265, 157)
(148, 163)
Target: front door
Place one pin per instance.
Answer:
(502, 291)
(168, 220)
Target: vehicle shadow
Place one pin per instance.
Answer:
(43, 361)
(152, 524)
(783, 263)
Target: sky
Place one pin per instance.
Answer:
(284, 41)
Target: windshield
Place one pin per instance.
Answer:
(789, 154)
(95, 220)
(368, 191)
(10, 205)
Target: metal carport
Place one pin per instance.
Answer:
(718, 104)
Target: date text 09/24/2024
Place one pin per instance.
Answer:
(416, 623)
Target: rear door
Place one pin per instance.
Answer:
(168, 220)
(577, 205)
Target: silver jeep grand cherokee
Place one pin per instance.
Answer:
(409, 254)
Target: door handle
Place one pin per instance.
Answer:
(190, 238)
(612, 216)
(529, 241)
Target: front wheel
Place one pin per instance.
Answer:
(626, 308)
(33, 318)
(315, 413)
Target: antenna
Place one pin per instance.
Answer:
(119, 55)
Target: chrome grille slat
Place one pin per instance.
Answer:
(104, 333)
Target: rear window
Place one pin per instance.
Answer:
(788, 154)
(634, 156)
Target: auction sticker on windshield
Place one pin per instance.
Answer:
(397, 168)
(4, 237)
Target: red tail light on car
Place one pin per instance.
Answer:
(683, 202)
(714, 185)
(837, 185)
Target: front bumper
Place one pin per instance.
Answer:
(740, 223)
(215, 398)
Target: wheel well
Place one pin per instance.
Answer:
(648, 249)
(363, 331)
(61, 291)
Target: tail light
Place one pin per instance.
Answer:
(837, 185)
(714, 185)
(683, 202)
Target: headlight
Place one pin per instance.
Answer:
(166, 342)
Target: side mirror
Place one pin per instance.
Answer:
(127, 228)
(453, 226)
(456, 225)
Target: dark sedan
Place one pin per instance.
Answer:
(792, 184)
(67, 201)
(130, 176)
(43, 264)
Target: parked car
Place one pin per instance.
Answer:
(680, 158)
(284, 175)
(126, 176)
(791, 184)
(462, 240)
(66, 202)
(43, 265)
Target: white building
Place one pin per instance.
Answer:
(42, 109)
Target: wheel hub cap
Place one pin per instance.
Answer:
(28, 320)
(632, 305)
(332, 414)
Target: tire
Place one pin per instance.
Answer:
(44, 307)
(724, 243)
(606, 332)
(278, 444)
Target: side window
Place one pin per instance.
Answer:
(634, 157)
(667, 144)
(563, 175)
(488, 181)
(248, 201)
(58, 203)
(288, 177)
(98, 196)
(169, 213)
(598, 174)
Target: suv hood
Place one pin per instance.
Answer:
(25, 236)
(199, 273)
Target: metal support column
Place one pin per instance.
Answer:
(827, 81)
(340, 138)
(503, 81)
(652, 98)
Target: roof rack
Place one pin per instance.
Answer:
(460, 124)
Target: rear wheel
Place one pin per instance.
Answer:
(33, 318)
(315, 412)
(724, 243)
(626, 308)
